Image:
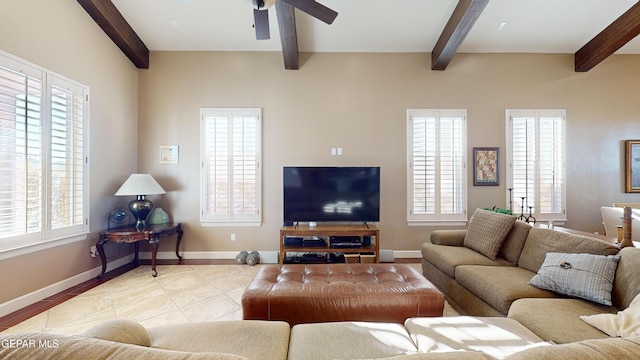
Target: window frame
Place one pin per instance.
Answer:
(438, 218)
(558, 217)
(46, 236)
(230, 218)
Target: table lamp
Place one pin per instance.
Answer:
(140, 185)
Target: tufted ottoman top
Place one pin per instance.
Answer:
(340, 292)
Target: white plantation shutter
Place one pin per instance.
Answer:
(42, 156)
(21, 143)
(66, 174)
(217, 166)
(536, 158)
(231, 174)
(436, 169)
(245, 165)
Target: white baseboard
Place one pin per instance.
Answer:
(267, 257)
(387, 256)
(23, 301)
(407, 254)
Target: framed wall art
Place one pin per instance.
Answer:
(169, 154)
(632, 166)
(486, 166)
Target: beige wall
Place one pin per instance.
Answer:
(59, 36)
(359, 102)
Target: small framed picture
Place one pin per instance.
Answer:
(169, 154)
(486, 166)
(632, 166)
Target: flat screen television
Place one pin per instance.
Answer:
(331, 194)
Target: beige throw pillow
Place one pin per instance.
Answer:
(624, 323)
(487, 231)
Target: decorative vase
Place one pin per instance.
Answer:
(158, 216)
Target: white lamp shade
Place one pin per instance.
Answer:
(140, 184)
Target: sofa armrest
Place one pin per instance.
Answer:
(120, 330)
(448, 237)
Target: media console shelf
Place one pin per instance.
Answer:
(328, 231)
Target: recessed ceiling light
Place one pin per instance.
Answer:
(173, 22)
(502, 25)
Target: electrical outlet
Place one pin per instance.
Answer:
(233, 236)
(93, 252)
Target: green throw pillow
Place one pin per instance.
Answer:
(487, 231)
(585, 276)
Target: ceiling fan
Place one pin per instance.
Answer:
(311, 7)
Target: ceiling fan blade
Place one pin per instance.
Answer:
(261, 23)
(314, 9)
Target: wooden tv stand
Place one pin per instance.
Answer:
(330, 230)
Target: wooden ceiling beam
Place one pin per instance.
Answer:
(107, 16)
(460, 23)
(609, 40)
(288, 35)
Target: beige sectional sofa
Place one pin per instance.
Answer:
(444, 338)
(478, 275)
(477, 285)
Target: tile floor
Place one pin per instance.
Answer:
(180, 293)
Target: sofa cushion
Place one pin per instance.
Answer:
(541, 241)
(499, 286)
(348, 340)
(251, 339)
(514, 242)
(454, 355)
(627, 348)
(626, 285)
(487, 231)
(558, 319)
(446, 258)
(495, 336)
(51, 346)
(585, 276)
(624, 323)
(121, 330)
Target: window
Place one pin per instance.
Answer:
(536, 161)
(43, 162)
(231, 173)
(437, 177)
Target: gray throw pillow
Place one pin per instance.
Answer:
(586, 276)
(487, 231)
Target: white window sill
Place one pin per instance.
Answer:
(256, 223)
(40, 246)
(437, 223)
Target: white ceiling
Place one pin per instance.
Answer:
(533, 26)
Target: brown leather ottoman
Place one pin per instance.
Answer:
(340, 292)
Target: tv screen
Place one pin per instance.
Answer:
(331, 194)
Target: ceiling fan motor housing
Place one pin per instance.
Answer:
(262, 4)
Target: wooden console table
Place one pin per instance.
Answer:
(151, 233)
(330, 230)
